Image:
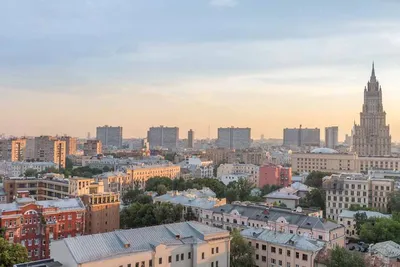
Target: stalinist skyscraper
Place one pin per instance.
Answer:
(372, 136)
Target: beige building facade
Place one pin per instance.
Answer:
(140, 174)
(70, 144)
(341, 162)
(346, 189)
(92, 148)
(187, 244)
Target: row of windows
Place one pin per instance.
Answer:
(280, 252)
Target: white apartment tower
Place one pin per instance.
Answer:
(331, 136)
(372, 137)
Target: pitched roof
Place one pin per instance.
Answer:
(388, 249)
(120, 242)
(370, 214)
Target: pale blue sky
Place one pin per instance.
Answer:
(68, 66)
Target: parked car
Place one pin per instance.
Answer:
(352, 248)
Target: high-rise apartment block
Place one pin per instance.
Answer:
(12, 149)
(346, 189)
(163, 137)
(33, 224)
(301, 137)
(70, 144)
(234, 138)
(190, 138)
(109, 136)
(372, 136)
(92, 148)
(331, 136)
(52, 149)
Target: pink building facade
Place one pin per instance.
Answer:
(275, 175)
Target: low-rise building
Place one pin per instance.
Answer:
(274, 248)
(33, 224)
(278, 198)
(198, 168)
(275, 175)
(180, 244)
(140, 174)
(347, 218)
(242, 216)
(229, 178)
(346, 189)
(228, 171)
(197, 200)
(18, 168)
(116, 182)
(387, 253)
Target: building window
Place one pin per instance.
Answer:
(280, 251)
(212, 264)
(202, 256)
(189, 255)
(256, 245)
(288, 253)
(159, 260)
(177, 257)
(182, 257)
(137, 264)
(212, 250)
(263, 258)
(297, 255)
(169, 259)
(273, 261)
(264, 247)
(150, 263)
(320, 237)
(273, 249)
(216, 263)
(217, 250)
(257, 256)
(305, 257)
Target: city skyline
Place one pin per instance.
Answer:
(66, 68)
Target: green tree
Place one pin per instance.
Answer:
(215, 185)
(130, 196)
(144, 199)
(69, 165)
(360, 218)
(242, 254)
(179, 184)
(161, 189)
(380, 230)
(30, 173)
(11, 253)
(341, 257)
(106, 169)
(314, 179)
(189, 215)
(231, 195)
(152, 183)
(244, 187)
(394, 202)
(314, 198)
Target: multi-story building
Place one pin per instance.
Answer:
(275, 175)
(30, 149)
(163, 137)
(33, 224)
(301, 137)
(329, 160)
(274, 248)
(70, 144)
(289, 196)
(220, 155)
(241, 216)
(331, 136)
(346, 189)
(234, 138)
(192, 200)
(347, 218)
(52, 149)
(109, 136)
(13, 149)
(251, 156)
(18, 168)
(3, 195)
(183, 244)
(92, 148)
(190, 139)
(198, 168)
(102, 212)
(116, 182)
(225, 172)
(138, 175)
(372, 136)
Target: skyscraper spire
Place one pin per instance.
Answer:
(373, 77)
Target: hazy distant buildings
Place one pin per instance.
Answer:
(163, 137)
(70, 143)
(372, 136)
(301, 137)
(234, 138)
(48, 148)
(190, 138)
(331, 136)
(110, 136)
(12, 149)
(92, 148)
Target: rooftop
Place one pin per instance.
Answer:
(324, 150)
(388, 249)
(137, 240)
(204, 198)
(370, 214)
(62, 204)
(285, 239)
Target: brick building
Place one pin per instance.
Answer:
(34, 224)
(275, 175)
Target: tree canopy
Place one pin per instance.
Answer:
(315, 198)
(380, 230)
(242, 254)
(341, 257)
(11, 253)
(394, 202)
(314, 179)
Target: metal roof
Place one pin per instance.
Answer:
(121, 242)
(370, 214)
(388, 249)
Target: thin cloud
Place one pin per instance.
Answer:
(223, 3)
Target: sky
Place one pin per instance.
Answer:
(69, 66)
